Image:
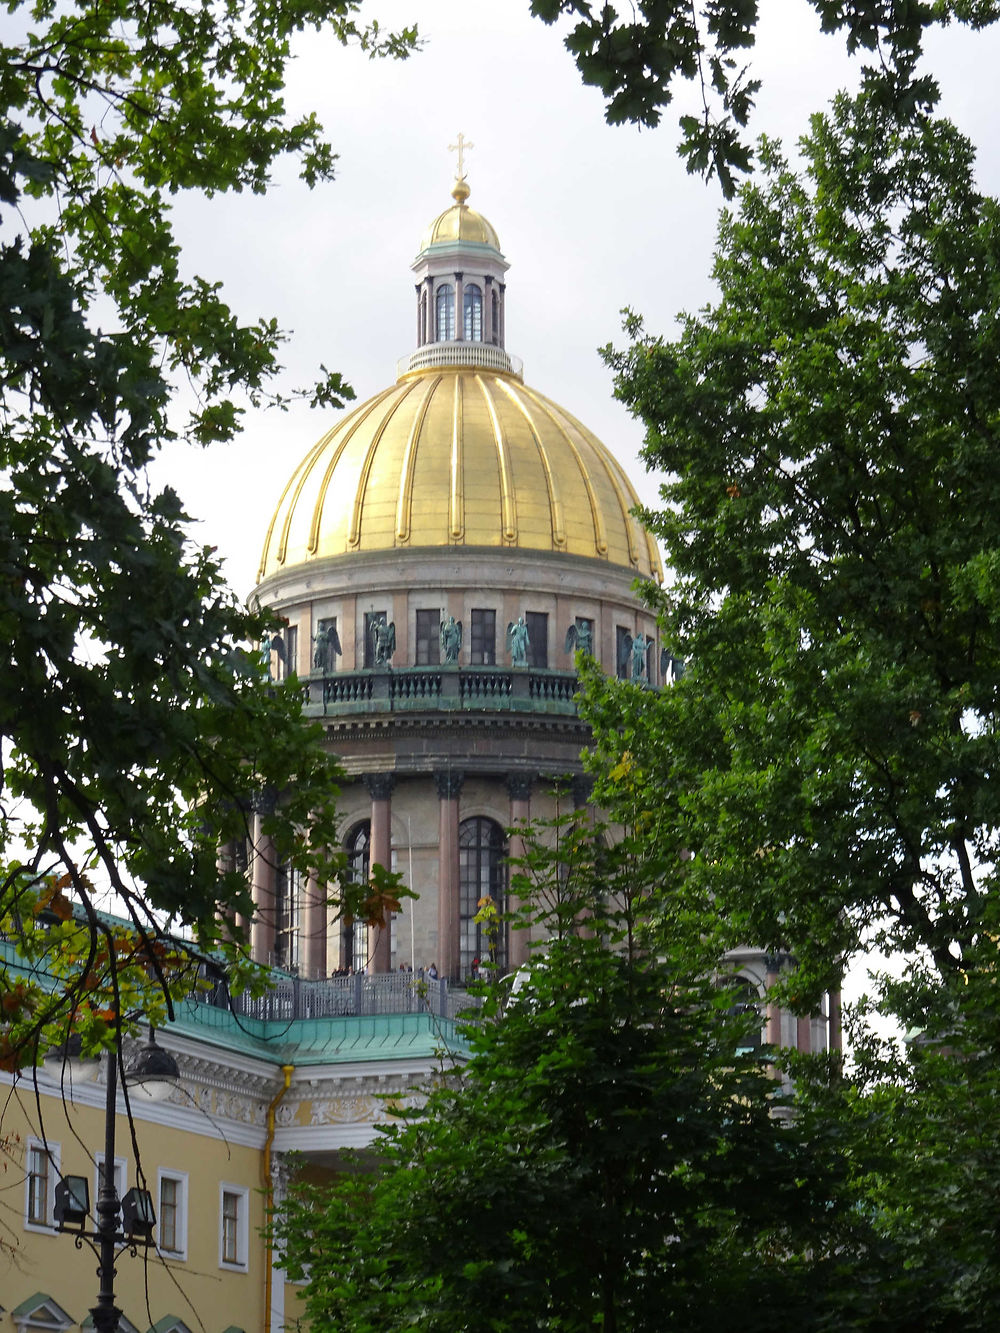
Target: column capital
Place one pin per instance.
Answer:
(380, 785)
(449, 784)
(519, 786)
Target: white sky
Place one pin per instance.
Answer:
(591, 218)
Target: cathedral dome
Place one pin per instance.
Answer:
(455, 456)
(460, 223)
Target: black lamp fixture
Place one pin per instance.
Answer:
(72, 1204)
(151, 1073)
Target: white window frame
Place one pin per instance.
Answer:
(180, 1178)
(242, 1194)
(52, 1152)
(121, 1178)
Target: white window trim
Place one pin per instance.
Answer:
(46, 1228)
(121, 1178)
(242, 1223)
(181, 1177)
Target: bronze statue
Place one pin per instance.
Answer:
(639, 646)
(580, 638)
(451, 639)
(327, 648)
(518, 642)
(383, 641)
(671, 668)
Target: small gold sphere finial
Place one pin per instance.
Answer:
(461, 191)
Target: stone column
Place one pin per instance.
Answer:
(772, 1029)
(459, 308)
(263, 880)
(314, 925)
(836, 1022)
(803, 1035)
(380, 787)
(449, 788)
(503, 320)
(519, 790)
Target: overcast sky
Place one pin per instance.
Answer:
(591, 219)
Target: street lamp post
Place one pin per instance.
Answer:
(153, 1072)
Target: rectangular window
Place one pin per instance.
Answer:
(118, 1179)
(537, 624)
(428, 638)
(40, 1182)
(288, 903)
(372, 618)
(233, 1208)
(483, 638)
(623, 652)
(171, 1221)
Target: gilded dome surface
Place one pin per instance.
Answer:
(458, 457)
(460, 223)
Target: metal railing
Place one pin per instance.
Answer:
(355, 996)
(466, 354)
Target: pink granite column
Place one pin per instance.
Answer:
(803, 1035)
(380, 787)
(314, 925)
(519, 789)
(772, 1031)
(449, 788)
(263, 881)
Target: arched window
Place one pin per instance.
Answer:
(473, 303)
(358, 848)
(494, 317)
(745, 1005)
(445, 308)
(482, 873)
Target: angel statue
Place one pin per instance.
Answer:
(518, 642)
(383, 641)
(639, 646)
(580, 638)
(327, 647)
(451, 640)
(632, 659)
(671, 668)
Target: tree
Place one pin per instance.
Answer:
(604, 1159)
(827, 428)
(637, 56)
(826, 766)
(139, 726)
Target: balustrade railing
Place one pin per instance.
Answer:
(391, 689)
(358, 995)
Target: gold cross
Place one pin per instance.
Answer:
(460, 148)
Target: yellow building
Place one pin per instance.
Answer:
(251, 1091)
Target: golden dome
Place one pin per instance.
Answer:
(460, 223)
(458, 457)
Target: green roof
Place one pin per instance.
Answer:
(322, 1041)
